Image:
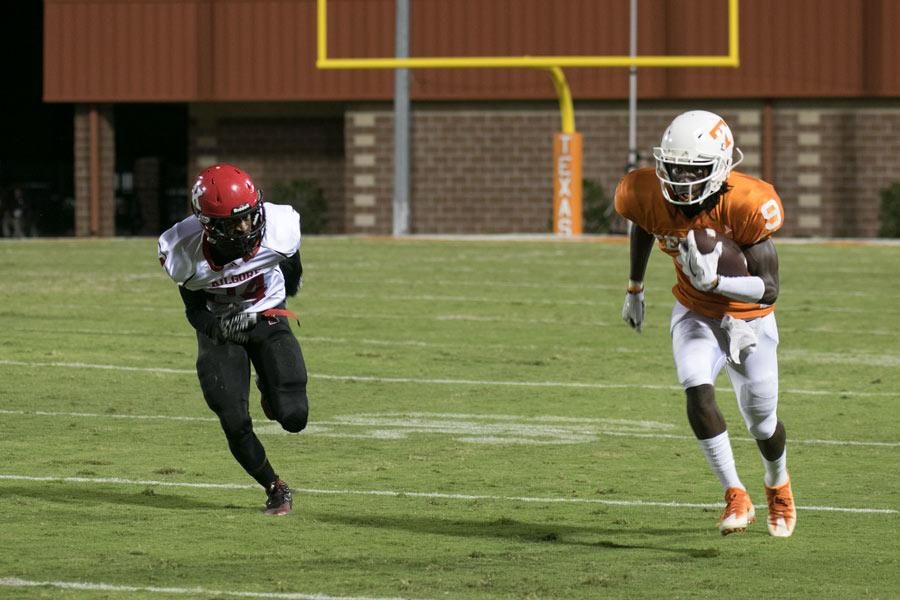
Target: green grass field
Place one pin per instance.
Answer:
(483, 425)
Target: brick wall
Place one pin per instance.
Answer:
(475, 171)
(831, 164)
(487, 169)
(368, 175)
(863, 146)
(273, 149)
(107, 157)
(483, 170)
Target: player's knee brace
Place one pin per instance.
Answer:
(759, 402)
(293, 405)
(765, 428)
(295, 418)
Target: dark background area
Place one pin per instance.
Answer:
(37, 150)
(151, 166)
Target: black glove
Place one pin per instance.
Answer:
(235, 328)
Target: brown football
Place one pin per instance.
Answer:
(732, 262)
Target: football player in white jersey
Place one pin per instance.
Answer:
(235, 261)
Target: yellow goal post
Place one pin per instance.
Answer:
(567, 204)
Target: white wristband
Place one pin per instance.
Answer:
(745, 289)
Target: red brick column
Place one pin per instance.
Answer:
(106, 166)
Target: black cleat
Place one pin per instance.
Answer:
(279, 501)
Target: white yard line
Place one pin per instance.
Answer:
(784, 356)
(409, 494)
(426, 381)
(841, 358)
(442, 298)
(408, 424)
(432, 298)
(580, 323)
(53, 413)
(614, 239)
(16, 582)
(407, 283)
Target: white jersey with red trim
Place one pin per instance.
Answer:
(250, 284)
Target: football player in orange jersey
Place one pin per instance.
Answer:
(717, 321)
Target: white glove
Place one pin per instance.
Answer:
(236, 327)
(700, 268)
(633, 310)
(742, 339)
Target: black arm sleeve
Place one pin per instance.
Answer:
(641, 244)
(292, 269)
(197, 314)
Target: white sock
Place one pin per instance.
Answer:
(718, 454)
(776, 470)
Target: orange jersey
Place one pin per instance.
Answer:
(749, 212)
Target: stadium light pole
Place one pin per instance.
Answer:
(401, 124)
(632, 89)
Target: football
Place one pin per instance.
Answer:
(732, 262)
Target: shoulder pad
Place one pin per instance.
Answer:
(757, 210)
(282, 229)
(633, 194)
(178, 246)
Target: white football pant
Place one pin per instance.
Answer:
(700, 349)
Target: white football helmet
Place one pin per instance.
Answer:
(694, 157)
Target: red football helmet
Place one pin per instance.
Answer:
(230, 208)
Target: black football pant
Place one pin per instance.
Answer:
(224, 372)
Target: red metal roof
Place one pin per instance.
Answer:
(264, 50)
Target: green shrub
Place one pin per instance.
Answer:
(308, 199)
(597, 208)
(890, 211)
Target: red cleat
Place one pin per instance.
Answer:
(279, 501)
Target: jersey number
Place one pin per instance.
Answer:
(771, 212)
(255, 289)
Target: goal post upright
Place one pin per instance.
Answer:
(567, 163)
(567, 153)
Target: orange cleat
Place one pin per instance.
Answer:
(782, 513)
(738, 513)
